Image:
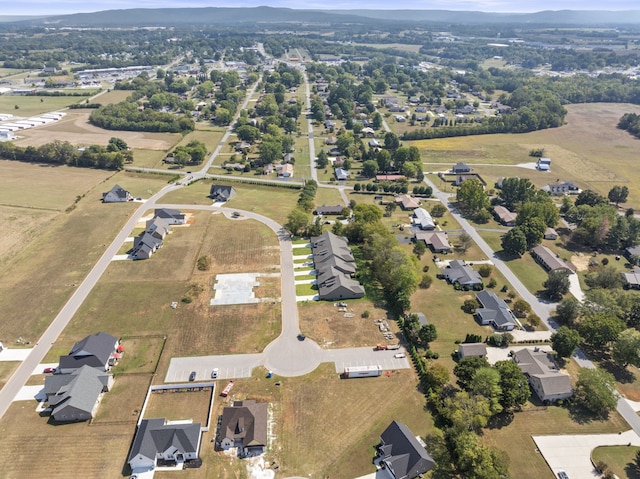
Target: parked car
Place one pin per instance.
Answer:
(400, 355)
(301, 337)
(49, 370)
(562, 475)
(192, 376)
(214, 373)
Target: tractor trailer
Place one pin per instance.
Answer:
(362, 371)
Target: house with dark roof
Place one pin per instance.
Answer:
(403, 456)
(494, 312)
(173, 217)
(117, 194)
(550, 261)
(632, 251)
(329, 210)
(458, 272)
(144, 245)
(160, 440)
(504, 216)
(335, 265)
(460, 167)
(472, 350)
(75, 396)
(437, 241)
(244, 425)
(222, 192)
(546, 380)
(98, 351)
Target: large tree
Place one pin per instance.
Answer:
(626, 349)
(297, 221)
(514, 242)
(514, 385)
(618, 194)
(515, 191)
(595, 390)
(568, 310)
(472, 197)
(486, 382)
(601, 329)
(466, 369)
(557, 284)
(565, 341)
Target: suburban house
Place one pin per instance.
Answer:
(550, 261)
(462, 177)
(331, 140)
(244, 425)
(459, 272)
(342, 174)
(494, 312)
(632, 251)
(472, 350)
(373, 143)
(329, 210)
(160, 440)
(437, 241)
(173, 217)
(544, 164)
(546, 380)
(243, 146)
(550, 234)
(144, 245)
(504, 216)
(631, 278)
(559, 189)
(222, 193)
(117, 194)
(407, 202)
(401, 453)
(335, 264)
(422, 219)
(100, 351)
(158, 228)
(75, 396)
(285, 171)
(460, 167)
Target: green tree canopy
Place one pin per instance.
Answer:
(595, 390)
(565, 341)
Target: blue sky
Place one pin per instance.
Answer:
(48, 7)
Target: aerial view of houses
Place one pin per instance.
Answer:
(389, 244)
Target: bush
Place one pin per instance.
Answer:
(472, 338)
(534, 320)
(492, 283)
(504, 289)
(425, 268)
(187, 299)
(431, 354)
(366, 313)
(485, 270)
(426, 281)
(204, 263)
(469, 306)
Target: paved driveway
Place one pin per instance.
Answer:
(14, 354)
(572, 453)
(365, 357)
(229, 366)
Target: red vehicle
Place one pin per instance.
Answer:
(225, 392)
(49, 370)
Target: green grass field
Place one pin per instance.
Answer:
(35, 105)
(619, 459)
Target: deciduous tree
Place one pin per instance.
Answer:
(565, 341)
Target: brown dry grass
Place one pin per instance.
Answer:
(28, 441)
(328, 327)
(76, 129)
(177, 404)
(123, 403)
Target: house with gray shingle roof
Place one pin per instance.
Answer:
(438, 241)
(144, 245)
(459, 272)
(117, 194)
(96, 350)
(472, 350)
(504, 216)
(156, 439)
(244, 425)
(173, 217)
(494, 312)
(402, 454)
(632, 278)
(550, 261)
(545, 379)
(334, 265)
(158, 228)
(222, 192)
(74, 397)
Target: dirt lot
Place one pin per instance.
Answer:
(76, 129)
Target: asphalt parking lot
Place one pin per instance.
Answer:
(229, 366)
(365, 357)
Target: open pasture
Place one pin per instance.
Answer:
(34, 105)
(76, 129)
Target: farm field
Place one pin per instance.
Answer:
(25, 435)
(35, 105)
(113, 96)
(42, 274)
(579, 152)
(76, 129)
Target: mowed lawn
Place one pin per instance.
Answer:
(37, 280)
(270, 201)
(620, 459)
(177, 404)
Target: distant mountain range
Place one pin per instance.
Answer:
(236, 16)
